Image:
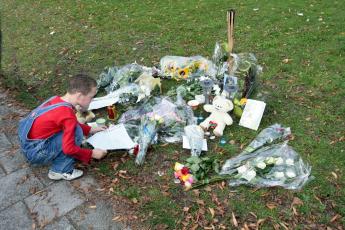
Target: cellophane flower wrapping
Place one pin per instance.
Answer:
(195, 137)
(147, 133)
(174, 119)
(186, 68)
(267, 136)
(119, 82)
(275, 165)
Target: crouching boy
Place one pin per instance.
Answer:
(52, 134)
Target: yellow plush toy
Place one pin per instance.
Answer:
(84, 116)
(147, 83)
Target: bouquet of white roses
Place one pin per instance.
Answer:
(276, 165)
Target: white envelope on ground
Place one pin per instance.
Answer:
(100, 102)
(115, 137)
(252, 114)
(186, 144)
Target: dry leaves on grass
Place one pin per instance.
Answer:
(234, 220)
(334, 218)
(271, 205)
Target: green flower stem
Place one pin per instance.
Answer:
(211, 180)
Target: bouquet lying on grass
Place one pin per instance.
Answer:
(262, 164)
(276, 165)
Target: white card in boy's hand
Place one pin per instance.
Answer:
(252, 114)
(115, 137)
(186, 144)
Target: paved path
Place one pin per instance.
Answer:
(29, 200)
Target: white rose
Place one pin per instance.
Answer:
(242, 169)
(279, 161)
(270, 160)
(249, 175)
(290, 173)
(261, 165)
(289, 161)
(278, 175)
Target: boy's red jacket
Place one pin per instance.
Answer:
(61, 119)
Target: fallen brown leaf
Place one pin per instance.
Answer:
(260, 221)
(245, 227)
(201, 202)
(162, 226)
(253, 214)
(335, 175)
(117, 218)
(286, 60)
(211, 211)
(196, 192)
(234, 221)
(186, 209)
(195, 227)
(201, 211)
(296, 201)
(134, 200)
(271, 205)
(208, 189)
(334, 218)
(115, 165)
(284, 225)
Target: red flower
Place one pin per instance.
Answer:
(136, 150)
(185, 170)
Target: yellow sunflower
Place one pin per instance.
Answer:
(183, 73)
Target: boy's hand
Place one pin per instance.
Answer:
(98, 153)
(98, 129)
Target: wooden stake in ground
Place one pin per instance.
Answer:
(231, 24)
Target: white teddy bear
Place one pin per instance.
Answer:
(219, 117)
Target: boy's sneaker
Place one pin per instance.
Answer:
(66, 176)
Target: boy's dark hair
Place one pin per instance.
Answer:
(81, 83)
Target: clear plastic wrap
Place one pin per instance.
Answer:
(195, 137)
(275, 165)
(173, 119)
(147, 133)
(186, 68)
(218, 59)
(126, 94)
(267, 136)
(123, 76)
(247, 70)
(106, 76)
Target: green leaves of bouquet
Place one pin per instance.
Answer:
(203, 167)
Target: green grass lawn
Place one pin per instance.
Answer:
(300, 44)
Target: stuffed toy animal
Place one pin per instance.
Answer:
(219, 117)
(147, 83)
(84, 116)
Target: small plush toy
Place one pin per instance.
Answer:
(147, 83)
(84, 116)
(219, 117)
